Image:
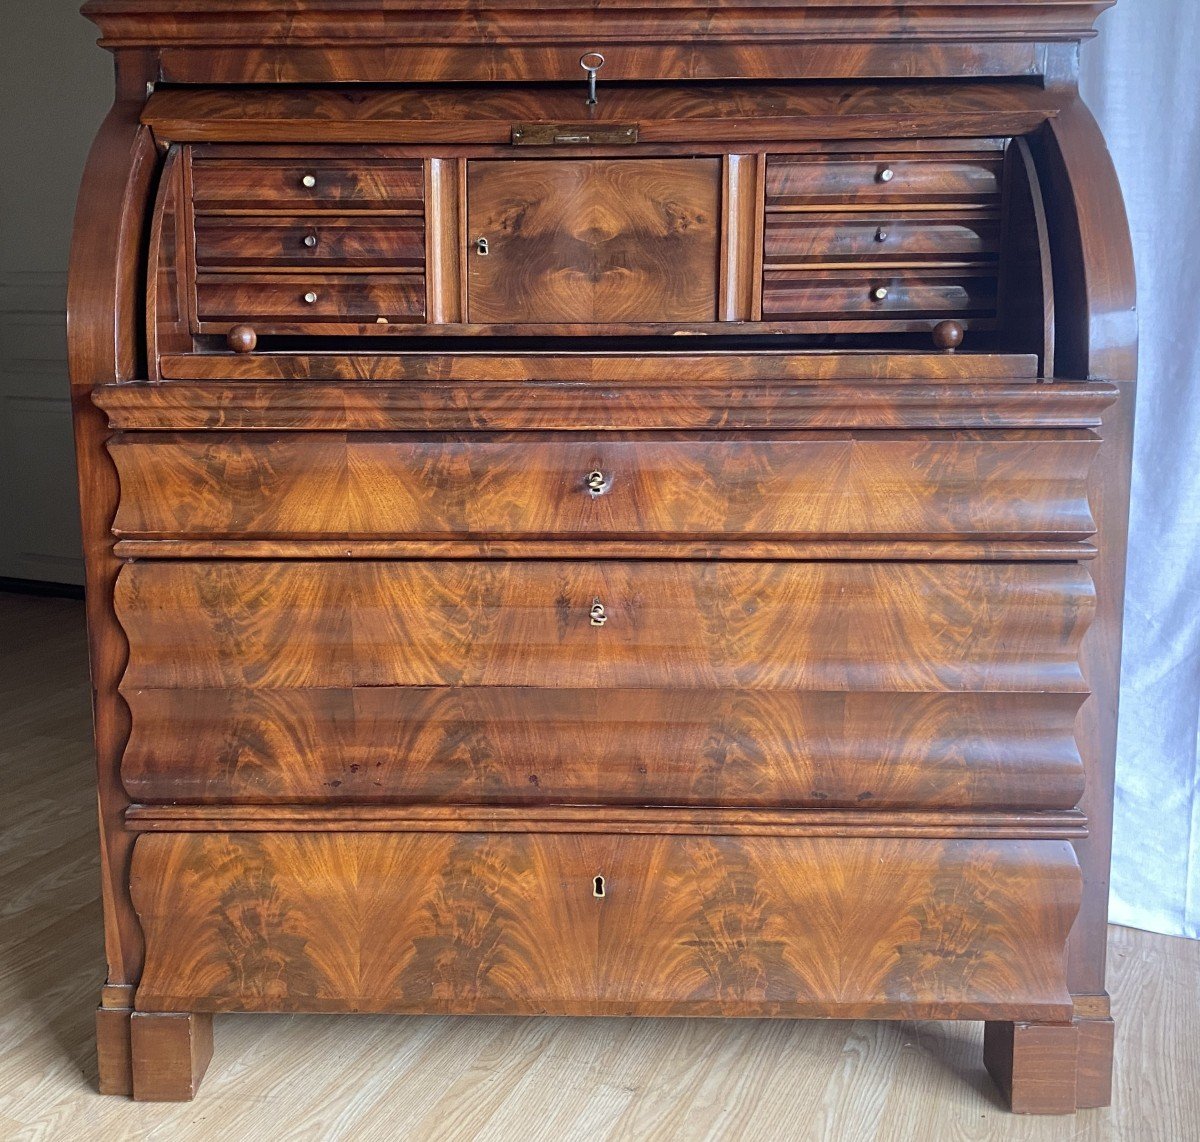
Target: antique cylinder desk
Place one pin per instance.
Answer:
(604, 510)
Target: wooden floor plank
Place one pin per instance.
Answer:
(328, 1078)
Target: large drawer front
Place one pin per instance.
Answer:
(533, 747)
(484, 923)
(871, 485)
(815, 626)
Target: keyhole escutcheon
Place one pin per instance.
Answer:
(598, 887)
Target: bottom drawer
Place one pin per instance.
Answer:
(680, 925)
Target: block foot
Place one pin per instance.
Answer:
(1035, 1065)
(170, 1053)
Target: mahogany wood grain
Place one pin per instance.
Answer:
(445, 245)
(583, 405)
(793, 823)
(323, 42)
(484, 923)
(741, 238)
(883, 293)
(105, 309)
(772, 1073)
(114, 1051)
(881, 179)
(521, 746)
(593, 240)
(906, 627)
(572, 548)
(318, 240)
(1035, 1065)
(520, 62)
(663, 113)
(263, 299)
(888, 236)
(171, 1052)
(686, 364)
(1094, 1072)
(351, 183)
(992, 485)
(811, 681)
(1096, 333)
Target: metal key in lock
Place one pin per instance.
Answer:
(591, 62)
(599, 615)
(482, 248)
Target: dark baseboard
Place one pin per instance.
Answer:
(36, 587)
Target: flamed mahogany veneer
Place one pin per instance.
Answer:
(657, 553)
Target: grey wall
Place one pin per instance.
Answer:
(55, 87)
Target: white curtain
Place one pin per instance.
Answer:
(1141, 78)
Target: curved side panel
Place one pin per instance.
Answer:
(1094, 281)
(1095, 295)
(104, 319)
(167, 321)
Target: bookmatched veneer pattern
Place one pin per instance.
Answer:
(815, 626)
(566, 924)
(991, 485)
(599, 240)
(533, 746)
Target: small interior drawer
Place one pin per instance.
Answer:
(311, 297)
(318, 240)
(342, 184)
(866, 294)
(813, 181)
(793, 238)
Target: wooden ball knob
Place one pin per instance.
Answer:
(948, 335)
(242, 339)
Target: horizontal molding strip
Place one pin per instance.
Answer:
(575, 549)
(1070, 825)
(480, 404)
(663, 113)
(460, 23)
(677, 367)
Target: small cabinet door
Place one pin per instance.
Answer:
(593, 241)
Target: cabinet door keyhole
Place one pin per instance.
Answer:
(598, 887)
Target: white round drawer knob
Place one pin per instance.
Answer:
(880, 293)
(309, 181)
(887, 174)
(310, 298)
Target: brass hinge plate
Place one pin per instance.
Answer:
(573, 134)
